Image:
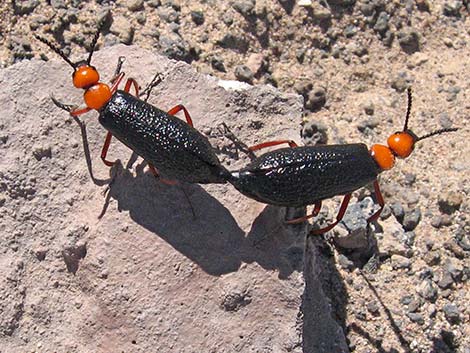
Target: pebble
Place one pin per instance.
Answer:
(452, 8)
(303, 87)
(398, 211)
(417, 59)
(21, 48)
(432, 258)
(235, 301)
(452, 313)
(454, 248)
(123, 29)
(373, 308)
(345, 263)
(40, 253)
(320, 13)
(381, 25)
(400, 262)
(368, 124)
(411, 219)
(24, 7)
(135, 5)
(455, 269)
(401, 82)
(232, 41)
(369, 108)
(244, 74)
(450, 201)
(58, 4)
(314, 133)
(42, 151)
(445, 281)
(416, 317)
(168, 14)
(316, 99)
(409, 40)
(174, 47)
(414, 304)
(217, 63)
(245, 7)
(154, 3)
(422, 5)
(197, 17)
(427, 290)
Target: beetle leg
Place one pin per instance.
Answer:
(339, 217)
(380, 200)
(157, 175)
(157, 79)
(178, 108)
(291, 143)
(131, 82)
(315, 212)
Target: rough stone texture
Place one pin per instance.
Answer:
(134, 270)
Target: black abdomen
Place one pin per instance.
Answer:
(177, 150)
(303, 175)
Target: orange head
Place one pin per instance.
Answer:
(86, 76)
(401, 143)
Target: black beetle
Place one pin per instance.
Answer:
(168, 144)
(302, 176)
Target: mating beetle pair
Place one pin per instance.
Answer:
(294, 176)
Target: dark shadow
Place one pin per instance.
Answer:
(287, 5)
(324, 301)
(86, 151)
(274, 242)
(446, 343)
(377, 343)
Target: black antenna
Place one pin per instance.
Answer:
(94, 41)
(408, 111)
(57, 50)
(437, 132)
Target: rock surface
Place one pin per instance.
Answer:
(134, 270)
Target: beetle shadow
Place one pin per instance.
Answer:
(198, 226)
(207, 234)
(210, 236)
(276, 244)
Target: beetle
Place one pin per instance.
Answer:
(301, 176)
(173, 148)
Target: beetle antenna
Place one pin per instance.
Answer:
(94, 41)
(56, 49)
(437, 132)
(408, 110)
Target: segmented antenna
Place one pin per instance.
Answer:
(94, 41)
(56, 49)
(408, 111)
(437, 132)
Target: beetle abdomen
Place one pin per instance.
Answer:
(177, 150)
(303, 175)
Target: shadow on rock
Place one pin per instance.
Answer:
(210, 237)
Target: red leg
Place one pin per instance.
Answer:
(116, 81)
(339, 217)
(104, 150)
(315, 212)
(291, 143)
(178, 108)
(131, 81)
(81, 111)
(157, 175)
(380, 200)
